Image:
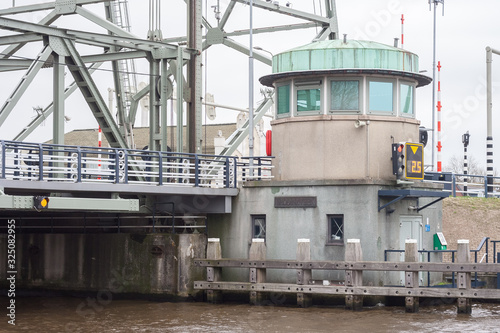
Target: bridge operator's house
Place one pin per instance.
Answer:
(340, 106)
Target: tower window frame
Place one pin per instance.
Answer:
(412, 102)
(335, 229)
(283, 104)
(377, 86)
(310, 88)
(259, 226)
(360, 93)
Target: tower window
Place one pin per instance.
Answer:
(259, 226)
(406, 96)
(335, 229)
(381, 96)
(344, 96)
(283, 105)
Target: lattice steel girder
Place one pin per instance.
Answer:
(92, 96)
(226, 15)
(25, 38)
(239, 135)
(135, 103)
(287, 27)
(44, 6)
(243, 49)
(25, 82)
(85, 37)
(104, 23)
(49, 19)
(71, 203)
(49, 109)
(287, 11)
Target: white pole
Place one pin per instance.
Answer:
(250, 93)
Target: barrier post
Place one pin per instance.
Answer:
(257, 275)
(304, 276)
(464, 279)
(411, 277)
(353, 278)
(214, 274)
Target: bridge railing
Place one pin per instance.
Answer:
(465, 185)
(48, 162)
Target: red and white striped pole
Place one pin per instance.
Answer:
(402, 31)
(99, 139)
(439, 106)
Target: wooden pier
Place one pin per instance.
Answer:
(353, 289)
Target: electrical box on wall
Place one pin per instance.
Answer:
(439, 241)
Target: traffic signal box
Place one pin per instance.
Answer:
(408, 160)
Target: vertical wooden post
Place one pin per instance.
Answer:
(214, 274)
(304, 276)
(353, 278)
(257, 275)
(411, 277)
(464, 279)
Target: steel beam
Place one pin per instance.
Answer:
(19, 90)
(25, 132)
(49, 19)
(243, 49)
(154, 106)
(168, 51)
(58, 93)
(194, 120)
(287, 11)
(135, 103)
(43, 6)
(287, 27)
(92, 96)
(111, 27)
(233, 142)
(19, 202)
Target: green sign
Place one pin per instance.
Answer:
(414, 157)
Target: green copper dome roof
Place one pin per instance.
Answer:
(352, 57)
(335, 54)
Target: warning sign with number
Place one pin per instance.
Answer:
(414, 156)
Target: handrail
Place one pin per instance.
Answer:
(80, 164)
(463, 184)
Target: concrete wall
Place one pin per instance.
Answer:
(358, 202)
(119, 263)
(330, 147)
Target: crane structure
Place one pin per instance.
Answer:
(173, 61)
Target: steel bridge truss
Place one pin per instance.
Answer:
(60, 50)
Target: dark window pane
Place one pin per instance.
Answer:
(308, 100)
(283, 106)
(336, 229)
(259, 226)
(345, 95)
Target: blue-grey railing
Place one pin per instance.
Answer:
(48, 162)
(465, 185)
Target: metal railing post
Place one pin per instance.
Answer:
(125, 169)
(40, 162)
(454, 184)
(78, 165)
(227, 185)
(160, 169)
(3, 159)
(485, 186)
(196, 170)
(117, 166)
